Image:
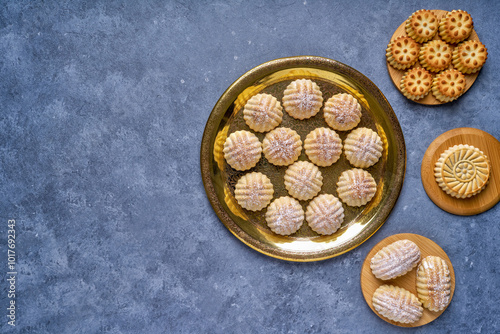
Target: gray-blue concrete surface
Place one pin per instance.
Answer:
(103, 106)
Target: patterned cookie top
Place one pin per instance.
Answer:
(395, 259)
(434, 283)
(342, 112)
(356, 187)
(363, 147)
(263, 112)
(303, 180)
(455, 26)
(448, 85)
(285, 216)
(462, 171)
(435, 55)
(302, 99)
(242, 150)
(416, 83)
(254, 191)
(469, 56)
(422, 25)
(282, 146)
(325, 214)
(402, 52)
(323, 146)
(397, 304)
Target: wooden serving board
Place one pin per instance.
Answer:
(396, 74)
(479, 203)
(369, 283)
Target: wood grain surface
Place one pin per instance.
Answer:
(369, 283)
(396, 74)
(479, 203)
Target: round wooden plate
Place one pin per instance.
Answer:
(396, 75)
(369, 283)
(479, 203)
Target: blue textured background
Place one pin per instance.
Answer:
(103, 105)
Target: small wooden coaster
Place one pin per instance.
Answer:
(369, 283)
(479, 203)
(396, 75)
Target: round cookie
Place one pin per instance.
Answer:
(363, 147)
(285, 215)
(455, 26)
(254, 191)
(469, 56)
(323, 146)
(242, 150)
(325, 214)
(302, 99)
(356, 187)
(448, 85)
(282, 146)
(263, 112)
(435, 55)
(422, 25)
(303, 180)
(342, 112)
(416, 83)
(402, 52)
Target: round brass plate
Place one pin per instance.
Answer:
(369, 283)
(219, 179)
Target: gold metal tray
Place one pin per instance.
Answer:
(219, 178)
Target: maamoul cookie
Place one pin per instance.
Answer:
(434, 283)
(284, 215)
(356, 187)
(469, 56)
(302, 99)
(422, 25)
(363, 147)
(402, 52)
(397, 304)
(462, 171)
(448, 85)
(435, 55)
(263, 112)
(395, 260)
(282, 146)
(323, 146)
(416, 83)
(303, 180)
(242, 150)
(455, 26)
(254, 191)
(325, 214)
(342, 112)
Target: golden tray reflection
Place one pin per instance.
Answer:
(219, 179)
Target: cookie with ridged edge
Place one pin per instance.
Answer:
(254, 191)
(434, 283)
(302, 99)
(363, 147)
(422, 25)
(323, 146)
(462, 171)
(242, 150)
(284, 215)
(303, 180)
(282, 146)
(469, 56)
(455, 26)
(263, 112)
(342, 112)
(356, 187)
(325, 214)
(402, 52)
(397, 304)
(395, 259)
(435, 55)
(416, 83)
(448, 85)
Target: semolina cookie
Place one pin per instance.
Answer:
(416, 83)
(302, 99)
(282, 146)
(363, 147)
(448, 85)
(395, 260)
(285, 215)
(402, 52)
(325, 214)
(434, 283)
(455, 26)
(469, 56)
(435, 55)
(263, 112)
(422, 25)
(356, 187)
(397, 304)
(303, 180)
(242, 150)
(254, 191)
(342, 112)
(323, 146)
